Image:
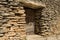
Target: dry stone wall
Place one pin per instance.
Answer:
(50, 18)
(52, 12)
(12, 20)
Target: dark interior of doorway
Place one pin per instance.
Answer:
(31, 15)
(30, 19)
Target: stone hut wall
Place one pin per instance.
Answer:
(12, 20)
(50, 17)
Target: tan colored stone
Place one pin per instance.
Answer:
(10, 22)
(14, 28)
(14, 38)
(10, 34)
(14, 20)
(32, 4)
(1, 35)
(3, 30)
(16, 17)
(52, 37)
(21, 27)
(6, 25)
(23, 33)
(23, 22)
(21, 11)
(35, 37)
(23, 15)
(3, 38)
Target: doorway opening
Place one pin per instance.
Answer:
(31, 24)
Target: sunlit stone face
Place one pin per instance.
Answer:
(34, 4)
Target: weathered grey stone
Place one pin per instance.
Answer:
(4, 3)
(13, 4)
(2, 0)
(3, 30)
(4, 20)
(6, 25)
(10, 0)
(1, 35)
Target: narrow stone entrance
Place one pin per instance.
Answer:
(30, 19)
(35, 22)
(33, 17)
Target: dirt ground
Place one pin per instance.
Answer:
(37, 37)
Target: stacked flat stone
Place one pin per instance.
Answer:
(42, 23)
(52, 16)
(46, 22)
(12, 21)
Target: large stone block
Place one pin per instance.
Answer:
(32, 3)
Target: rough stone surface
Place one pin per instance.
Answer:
(32, 3)
(12, 21)
(16, 15)
(47, 21)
